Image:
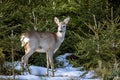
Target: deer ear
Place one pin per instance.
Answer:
(66, 20)
(56, 20)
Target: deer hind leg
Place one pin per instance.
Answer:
(24, 60)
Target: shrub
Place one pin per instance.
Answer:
(100, 48)
(2, 60)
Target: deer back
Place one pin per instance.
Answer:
(40, 40)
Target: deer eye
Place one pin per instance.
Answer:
(63, 26)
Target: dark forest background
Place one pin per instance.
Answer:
(93, 33)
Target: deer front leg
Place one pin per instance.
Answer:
(47, 57)
(51, 62)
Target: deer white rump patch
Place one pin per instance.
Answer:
(24, 40)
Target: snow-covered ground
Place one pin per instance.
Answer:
(67, 72)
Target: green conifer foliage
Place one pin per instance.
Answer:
(92, 33)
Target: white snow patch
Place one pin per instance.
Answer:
(68, 72)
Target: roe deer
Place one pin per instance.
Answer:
(48, 42)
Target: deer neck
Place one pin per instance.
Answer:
(60, 36)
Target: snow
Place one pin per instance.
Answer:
(67, 72)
